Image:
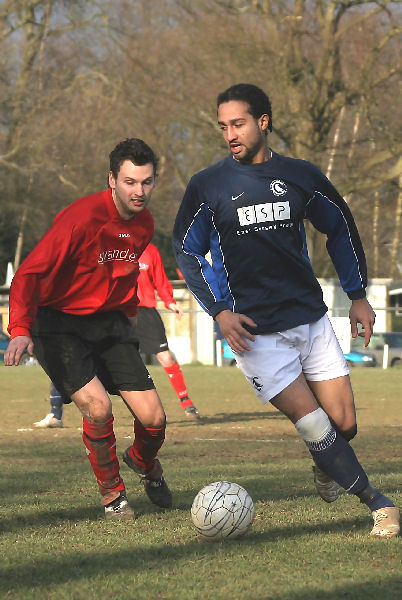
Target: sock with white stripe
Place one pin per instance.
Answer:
(335, 456)
(373, 498)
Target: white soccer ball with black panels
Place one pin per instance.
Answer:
(222, 510)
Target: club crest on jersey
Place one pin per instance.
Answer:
(278, 187)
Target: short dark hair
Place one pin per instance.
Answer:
(255, 97)
(135, 150)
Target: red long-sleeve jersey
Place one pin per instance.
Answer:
(153, 278)
(86, 263)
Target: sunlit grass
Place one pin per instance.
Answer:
(55, 544)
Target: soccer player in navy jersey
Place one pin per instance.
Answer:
(74, 301)
(247, 211)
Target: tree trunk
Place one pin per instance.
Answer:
(396, 239)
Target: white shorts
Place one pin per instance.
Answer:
(276, 359)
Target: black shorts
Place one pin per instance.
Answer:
(150, 331)
(74, 349)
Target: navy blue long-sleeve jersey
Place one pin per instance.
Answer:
(250, 218)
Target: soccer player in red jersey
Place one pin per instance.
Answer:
(74, 301)
(150, 332)
(150, 329)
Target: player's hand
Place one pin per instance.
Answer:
(176, 309)
(361, 312)
(16, 348)
(231, 326)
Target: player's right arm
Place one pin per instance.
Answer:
(231, 326)
(35, 274)
(192, 235)
(16, 348)
(191, 243)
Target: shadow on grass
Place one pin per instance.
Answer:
(262, 490)
(230, 417)
(73, 567)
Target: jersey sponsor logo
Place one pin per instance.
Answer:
(124, 235)
(113, 255)
(236, 197)
(278, 187)
(261, 213)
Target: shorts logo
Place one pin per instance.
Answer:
(260, 213)
(257, 383)
(278, 187)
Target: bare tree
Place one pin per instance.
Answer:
(77, 77)
(28, 29)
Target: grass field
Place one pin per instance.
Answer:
(55, 544)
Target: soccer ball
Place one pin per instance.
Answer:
(222, 510)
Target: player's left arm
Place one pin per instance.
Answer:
(176, 309)
(329, 214)
(362, 312)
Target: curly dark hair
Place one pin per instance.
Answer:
(255, 97)
(135, 150)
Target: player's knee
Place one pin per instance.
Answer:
(98, 412)
(157, 420)
(346, 425)
(349, 433)
(315, 427)
(166, 359)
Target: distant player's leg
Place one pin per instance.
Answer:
(176, 378)
(151, 335)
(54, 418)
(100, 442)
(149, 435)
(333, 454)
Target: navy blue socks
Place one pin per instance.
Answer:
(335, 456)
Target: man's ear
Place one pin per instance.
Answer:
(264, 122)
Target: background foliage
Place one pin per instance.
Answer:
(77, 77)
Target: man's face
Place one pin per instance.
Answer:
(243, 133)
(132, 189)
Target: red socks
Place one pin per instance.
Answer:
(100, 442)
(179, 385)
(147, 441)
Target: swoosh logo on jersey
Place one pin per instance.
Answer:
(236, 197)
